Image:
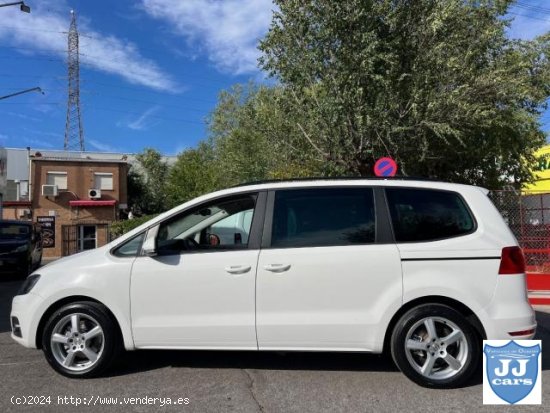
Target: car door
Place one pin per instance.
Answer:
(195, 293)
(329, 275)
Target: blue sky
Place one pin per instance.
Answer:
(151, 70)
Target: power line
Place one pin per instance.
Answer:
(529, 17)
(149, 102)
(55, 58)
(107, 109)
(150, 116)
(532, 7)
(144, 89)
(31, 103)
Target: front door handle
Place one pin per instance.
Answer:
(277, 267)
(238, 269)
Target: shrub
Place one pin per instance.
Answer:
(122, 227)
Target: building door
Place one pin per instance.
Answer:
(84, 236)
(87, 237)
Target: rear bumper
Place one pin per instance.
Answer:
(509, 311)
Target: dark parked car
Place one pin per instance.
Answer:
(20, 247)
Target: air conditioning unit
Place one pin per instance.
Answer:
(25, 213)
(94, 193)
(50, 190)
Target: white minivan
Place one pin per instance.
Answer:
(424, 270)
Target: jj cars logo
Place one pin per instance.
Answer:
(511, 372)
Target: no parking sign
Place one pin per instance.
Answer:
(385, 167)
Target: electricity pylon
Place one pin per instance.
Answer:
(74, 134)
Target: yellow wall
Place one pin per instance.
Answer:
(542, 171)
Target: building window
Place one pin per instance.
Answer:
(57, 178)
(103, 181)
(87, 237)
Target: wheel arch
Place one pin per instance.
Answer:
(434, 299)
(68, 300)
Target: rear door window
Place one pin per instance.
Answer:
(427, 215)
(323, 217)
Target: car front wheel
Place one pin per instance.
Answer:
(435, 346)
(80, 340)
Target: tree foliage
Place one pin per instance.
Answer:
(436, 84)
(147, 182)
(193, 174)
(256, 137)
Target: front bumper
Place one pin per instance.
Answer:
(13, 262)
(26, 309)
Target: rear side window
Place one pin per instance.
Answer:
(322, 217)
(427, 214)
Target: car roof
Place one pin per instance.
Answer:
(339, 179)
(345, 181)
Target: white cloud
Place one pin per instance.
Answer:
(141, 122)
(228, 30)
(101, 146)
(41, 30)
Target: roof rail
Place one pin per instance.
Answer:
(338, 178)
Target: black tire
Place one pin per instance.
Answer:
(111, 342)
(469, 348)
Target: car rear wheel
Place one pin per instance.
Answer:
(435, 346)
(81, 340)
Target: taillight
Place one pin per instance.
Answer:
(512, 261)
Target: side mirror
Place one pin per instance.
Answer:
(149, 247)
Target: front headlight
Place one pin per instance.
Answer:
(28, 284)
(21, 248)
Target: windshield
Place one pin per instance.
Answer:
(14, 231)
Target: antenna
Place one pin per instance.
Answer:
(74, 135)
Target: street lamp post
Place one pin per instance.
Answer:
(23, 7)
(33, 89)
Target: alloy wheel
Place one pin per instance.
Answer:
(77, 341)
(436, 348)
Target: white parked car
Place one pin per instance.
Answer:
(425, 270)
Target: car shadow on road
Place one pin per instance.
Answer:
(144, 360)
(138, 361)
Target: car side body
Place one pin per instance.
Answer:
(273, 292)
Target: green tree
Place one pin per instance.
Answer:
(255, 137)
(147, 183)
(436, 84)
(193, 174)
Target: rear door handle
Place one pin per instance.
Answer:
(238, 269)
(277, 267)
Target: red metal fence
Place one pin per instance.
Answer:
(528, 216)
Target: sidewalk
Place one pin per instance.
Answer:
(542, 308)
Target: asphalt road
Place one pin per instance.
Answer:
(235, 381)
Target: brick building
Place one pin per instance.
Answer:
(75, 199)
